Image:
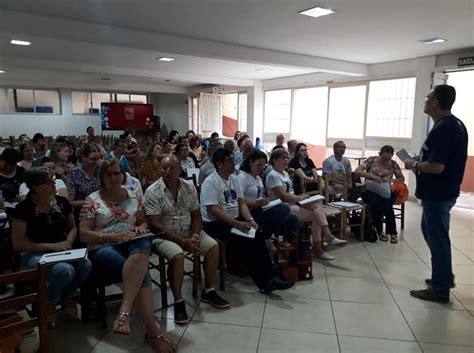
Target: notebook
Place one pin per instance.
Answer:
(311, 200)
(271, 204)
(251, 233)
(382, 189)
(64, 256)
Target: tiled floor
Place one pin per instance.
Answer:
(358, 303)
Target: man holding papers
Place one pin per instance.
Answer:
(172, 207)
(439, 172)
(44, 224)
(280, 186)
(223, 207)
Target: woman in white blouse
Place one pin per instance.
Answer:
(279, 185)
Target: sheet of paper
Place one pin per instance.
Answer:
(140, 236)
(403, 155)
(271, 204)
(64, 256)
(311, 200)
(251, 233)
(344, 204)
(193, 171)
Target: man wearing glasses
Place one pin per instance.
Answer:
(439, 171)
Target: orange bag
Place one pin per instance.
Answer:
(401, 192)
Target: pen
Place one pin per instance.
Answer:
(65, 253)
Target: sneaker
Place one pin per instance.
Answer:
(428, 283)
(281, 284)
(180, 314)
(325, 256)
(337, 241)
(215, 300)
(429, 295)
(383, 236)
(393, 238)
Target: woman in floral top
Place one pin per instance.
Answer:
(110, 220)
(382, 169)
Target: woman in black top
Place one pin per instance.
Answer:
(43, 223)
(11, 176)
(305, 170)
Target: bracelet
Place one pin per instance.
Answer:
(250, 219)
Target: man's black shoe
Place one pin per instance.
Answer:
(428, 283)
(214, 299)
(281, 284)
(427, 294)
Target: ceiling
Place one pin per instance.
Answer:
(219, 42)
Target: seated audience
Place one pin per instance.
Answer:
(207, 167)
(151, 164)
(60, 155)
(244, 143)
(41, 145)
(222, 208)
(11, 175)
(172, 207)
(186, 162)
(61, 188)
(279, 185)
(189, 134)
(72, 160)
(291, 148)
(109, 222)
(195, 148)
(27, 151)
(254, 195)
(280, 139)
(173, 138)
(382, 169)
(338, 164)
(118, 153)
(44, 223)
(307, 178)
(237, 135)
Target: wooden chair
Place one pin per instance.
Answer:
(347, 208)
(37, 299)
(195, 273)
(399, 211)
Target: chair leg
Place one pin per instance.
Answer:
(85, 304)
(101, 308)
(362, 225)
(162, 270)
(196, 272)
(222, 264)
(402, 216)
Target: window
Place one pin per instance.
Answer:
(89, 102)
(310, 115)
(195, 114)
(138, 98)
(277, 111)
(347, 112)
(122, 98)
(98, 98)
(81, 102)
(243, 112)
(33, 101)
(391, 107)
(230, 103)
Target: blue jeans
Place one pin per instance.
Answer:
(435, 228)
(273, 218)
(64, 278)
(113, 257)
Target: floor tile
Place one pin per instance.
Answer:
(352, 268)
(370, 320)
(246, 310)
(299, 315)
(465, 294)
(203, 337)
(441, 348)
(280, 341)
(405, 271)
(316, 288)
(441, 326)
(469, 254)
(400, 252)
(376, 345)
(464, 274)
(359, 290)
(463, 243)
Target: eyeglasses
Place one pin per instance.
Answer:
(115, 174)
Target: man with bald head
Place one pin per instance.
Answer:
(172, 208)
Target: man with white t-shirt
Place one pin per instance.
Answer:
(223, 207)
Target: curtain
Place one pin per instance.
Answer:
(210, 109)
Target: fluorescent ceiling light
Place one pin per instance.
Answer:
(20, 42)
(433, 40)
(316, 12)
(264, 70)
(164, 58)
(3, 71)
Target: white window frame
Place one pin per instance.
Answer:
(4, 98)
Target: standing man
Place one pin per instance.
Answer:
(439, 171)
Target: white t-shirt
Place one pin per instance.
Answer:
(251, 187)
(275, 179)
(224, 193)
(58, 182)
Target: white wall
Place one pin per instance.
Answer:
(172, 109)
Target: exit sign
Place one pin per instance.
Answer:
(467, 61)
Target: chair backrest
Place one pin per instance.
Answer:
(38, 299)
(304, 186)
(340, 179)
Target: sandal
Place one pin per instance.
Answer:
(383, 236)
(393, 238)
(161, 344)
(121, 324)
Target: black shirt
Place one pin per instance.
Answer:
(42, 227)
(11, 186)
(307, 170)
(446, 144)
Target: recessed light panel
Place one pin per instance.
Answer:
(3, 71)
(20, 42)
(164, 58)
(316, 12)
(433, 40)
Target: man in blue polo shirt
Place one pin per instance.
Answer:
(439, 171)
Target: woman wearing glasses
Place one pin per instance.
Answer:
(279, 185)
(44, 223)
(305, 169)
